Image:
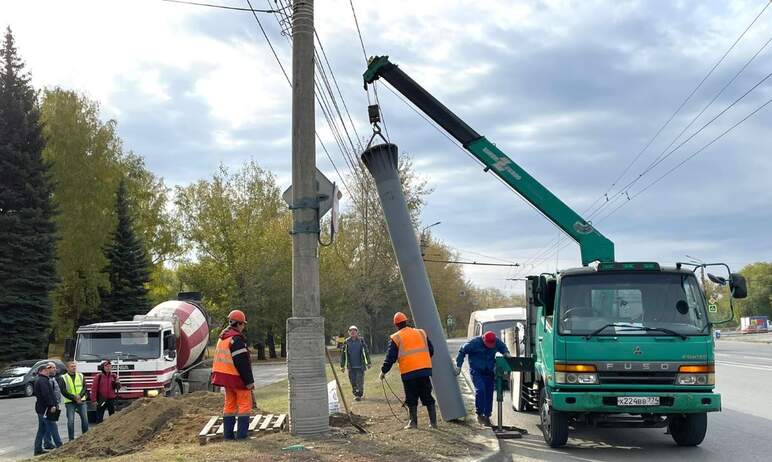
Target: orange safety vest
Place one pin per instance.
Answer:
(413, 350)
(223, 360)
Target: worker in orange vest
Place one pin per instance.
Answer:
(232, 370)
(413, 352)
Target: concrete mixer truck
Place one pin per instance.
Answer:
(159, 353)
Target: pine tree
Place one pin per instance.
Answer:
(127, 268)
(27, 231)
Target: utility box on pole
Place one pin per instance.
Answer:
(305, 329)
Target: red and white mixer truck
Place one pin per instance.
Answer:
(160, 353)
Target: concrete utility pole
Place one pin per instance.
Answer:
(381, 161)
(305, 329)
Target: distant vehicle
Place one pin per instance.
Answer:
(754, 324)
(494, 319)
(18, 379)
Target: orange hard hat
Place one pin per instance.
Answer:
(399, 317)
(237, 315)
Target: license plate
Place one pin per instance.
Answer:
(638, 401)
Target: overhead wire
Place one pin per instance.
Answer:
(223, 7)
(289, 81)
(624, 192)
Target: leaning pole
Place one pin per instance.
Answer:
(381, 161)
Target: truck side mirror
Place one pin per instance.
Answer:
(717, 279)
(69, 349)
(171, 343)
(540, 292)
(738, 286)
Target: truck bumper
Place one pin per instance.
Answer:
(605, 402)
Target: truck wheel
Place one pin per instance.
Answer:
(688, 429)
(554, 424)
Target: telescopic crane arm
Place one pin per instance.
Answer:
(594, 246)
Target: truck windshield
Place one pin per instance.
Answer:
(670, 301)
(118, 345)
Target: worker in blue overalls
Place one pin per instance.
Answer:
(482, 361)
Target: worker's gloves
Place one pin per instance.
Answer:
(382, 376)
(457, 370)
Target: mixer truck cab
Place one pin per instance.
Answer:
(625, 345)
(160, 353)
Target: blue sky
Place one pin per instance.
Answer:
(572, 91)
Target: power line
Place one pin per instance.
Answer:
(286, 76)
(223, 7)
(688, 97)
(623, 192)
(364, 53)
(456, 262)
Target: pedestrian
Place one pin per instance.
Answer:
(104, 390)
(482, 362)
(74, 393)
(356, 359)
(232, 370)
(47, 396)
(412, 350)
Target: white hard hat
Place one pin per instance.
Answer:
(354, 327)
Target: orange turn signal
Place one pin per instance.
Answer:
(697, 369)
(560, 367)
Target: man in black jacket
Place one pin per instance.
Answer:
(47, 406)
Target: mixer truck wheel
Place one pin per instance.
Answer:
(688, 429)
(554, 424)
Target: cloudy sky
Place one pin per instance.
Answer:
(572, 91)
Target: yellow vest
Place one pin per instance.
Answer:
(74, 387)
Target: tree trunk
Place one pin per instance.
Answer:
(269, 340)
(283, 346)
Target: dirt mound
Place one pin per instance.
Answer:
(147, 422)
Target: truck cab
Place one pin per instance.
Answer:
(622, 344)
(142, 352)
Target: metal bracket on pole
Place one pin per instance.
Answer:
(306, 227)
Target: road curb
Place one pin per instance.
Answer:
(486, 437)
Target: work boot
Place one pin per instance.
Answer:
(242, 429)
(487, 421)
(228, 422)
(481, 420)
(432, 410)
(413, 410)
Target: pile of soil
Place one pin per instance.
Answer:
(145, 423)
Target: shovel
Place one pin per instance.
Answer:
(342, 397)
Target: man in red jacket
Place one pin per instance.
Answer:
(232, 370)
(104, 390)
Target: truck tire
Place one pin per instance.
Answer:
(554, 424)
(688, 429)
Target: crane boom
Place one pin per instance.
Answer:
(594, 246)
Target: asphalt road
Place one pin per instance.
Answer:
(18, 423)
(741, 431)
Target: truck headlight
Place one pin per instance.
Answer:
(696, 379)
(697, 374)
(16, 380)
(152, 393)
(576, 374)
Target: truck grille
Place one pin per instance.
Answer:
(637, 377)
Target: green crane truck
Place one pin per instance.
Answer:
(624, 344)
